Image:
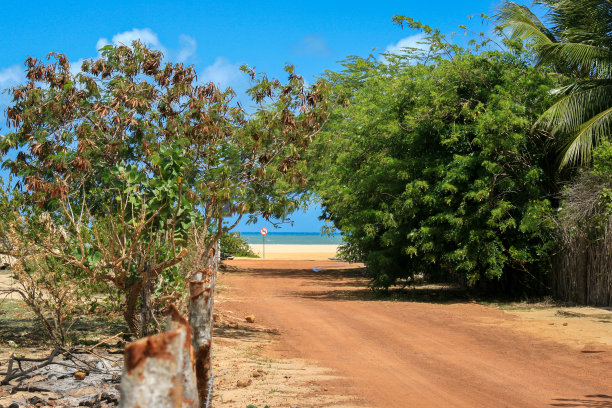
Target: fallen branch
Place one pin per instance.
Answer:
(16, 358)
(112, 362)
(104, 341)
(76, 364)
(70, 354)
(29, 388)
(11, 376)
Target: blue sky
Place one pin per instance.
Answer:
(218, 37)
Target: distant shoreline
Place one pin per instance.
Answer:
(283, 233)
(292, 238)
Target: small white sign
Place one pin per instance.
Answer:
(264, 231)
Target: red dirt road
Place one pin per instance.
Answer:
(412, 354)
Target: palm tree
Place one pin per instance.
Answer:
(577, 42)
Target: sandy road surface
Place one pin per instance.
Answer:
(409, 354)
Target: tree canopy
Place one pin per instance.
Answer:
(432, 167)
(139, 163)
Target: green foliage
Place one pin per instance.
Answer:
(236, 245)
(139, 163)
(578, 44)
(432, 167)
(55, 291)
(602, 168)
(602, 159)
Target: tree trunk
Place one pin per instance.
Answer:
(146, 308)
(201, 290)
(129, 314)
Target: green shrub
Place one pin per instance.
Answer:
(434, 168)
(234, 244)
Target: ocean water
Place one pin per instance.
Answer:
(292, 238)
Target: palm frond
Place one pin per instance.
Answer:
(588, 21)
(578, 149)
(592, 60)
(523, 24)
(569, 113)
(575, 41)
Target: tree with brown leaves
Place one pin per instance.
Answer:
(140, 163)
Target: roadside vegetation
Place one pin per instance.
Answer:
(484, 163)
(234, 244)
(437, 172)
(121, 176)
(123, 173)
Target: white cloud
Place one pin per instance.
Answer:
(222, 72)
(11, 76)
(414, 41)
(313, 45)
(188, 48)
(188, 45)
(146, 36)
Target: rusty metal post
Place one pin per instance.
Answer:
(159, 371)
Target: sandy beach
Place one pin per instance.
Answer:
(297, 252)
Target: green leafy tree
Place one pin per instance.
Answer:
(136, 155)
(129, 244)
(575, 39)
(432, 167)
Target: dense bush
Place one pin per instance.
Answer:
(236, 245)
(433, 168)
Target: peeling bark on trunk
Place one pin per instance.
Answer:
(158, 372)
(201, 290)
